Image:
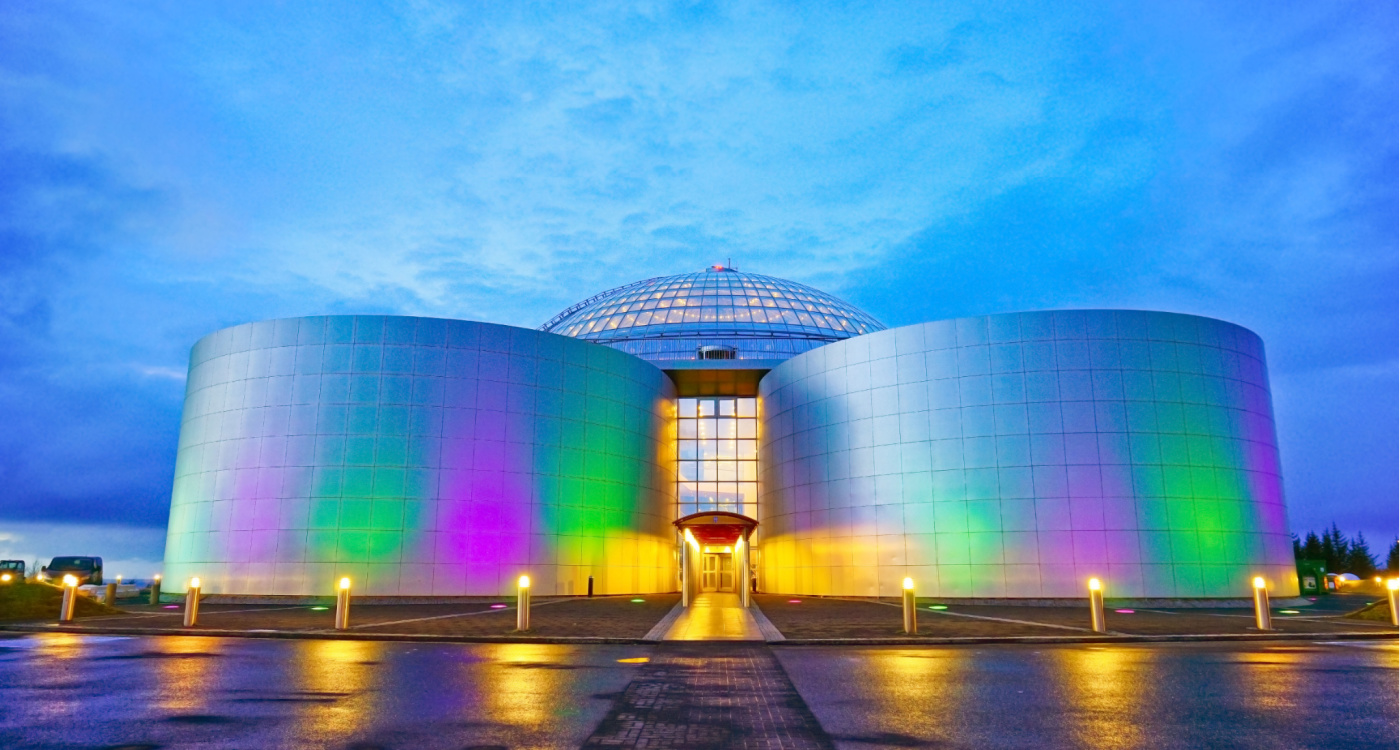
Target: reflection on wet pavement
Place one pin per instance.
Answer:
(715, 617)
(88, 691)
(1186, 695)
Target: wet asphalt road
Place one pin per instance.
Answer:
(1183, 695)
(68, 691)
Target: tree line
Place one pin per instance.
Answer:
(1342, 554)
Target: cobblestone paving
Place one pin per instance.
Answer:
(710, 695)
(614, 617)
(813, 617)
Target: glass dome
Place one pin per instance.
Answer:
(716, 314)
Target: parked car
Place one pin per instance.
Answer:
(11, 571)
(85, 569)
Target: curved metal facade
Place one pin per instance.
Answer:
(420, 457)
(1019, 455)
(668, 318)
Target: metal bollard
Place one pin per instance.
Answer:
(522, 606)
(1393, 591)
(1096, 618)
(70, 599)
(111, 596)
(1262, 619)
(342, 605)
(911, 617)
(590, 587)
(155, 589)
(192, 603)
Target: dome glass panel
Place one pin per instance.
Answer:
(718, 313)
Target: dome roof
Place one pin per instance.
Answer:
(718, 313)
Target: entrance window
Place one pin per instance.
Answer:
(717, 455)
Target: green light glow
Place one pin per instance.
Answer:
(938, 606)
(639, 600)
(319, 609)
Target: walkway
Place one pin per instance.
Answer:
(715, 617)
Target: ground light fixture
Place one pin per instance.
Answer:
(155, 589)
(1096, 616)
(911, 617)
(939, 607)
(1262, 619)
(70, 598)
(522, 609)
(342, 604)
(1393, 593)
(639, 601)
(192, 603)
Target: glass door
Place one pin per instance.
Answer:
(709, 572)
(726, 573)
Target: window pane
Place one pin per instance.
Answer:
(687, 407)
(748, 471)
(726, 407)
(727, 448)
(689, 471)
(728, 470)
(747, 449)
(687, 492)
(709, 449)
(748, 428)
(687, 450)
(707, 407)
(748, 494)
(708, 428)
(726, 428)
(707, 493)
(685, 428)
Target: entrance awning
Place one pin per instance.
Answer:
(717, 528)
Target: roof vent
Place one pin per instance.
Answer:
(716, 352)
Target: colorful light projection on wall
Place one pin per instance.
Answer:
(717, 454)
(1017, 455)
(421, 457)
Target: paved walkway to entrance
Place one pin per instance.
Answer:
(715, 617)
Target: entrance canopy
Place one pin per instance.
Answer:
(717, 528)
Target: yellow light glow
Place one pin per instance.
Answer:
(1259, 582)
(1378, 579)
(119, 579)
(524, 582)
(194, 582)
(909, 584)
(5, 577)
(157, 576)
(727, 550)
(1095, 584)
(345, 584)
(1393, 584)
(70, 580)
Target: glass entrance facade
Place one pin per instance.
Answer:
(717, 455)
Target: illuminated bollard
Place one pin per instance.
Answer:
(1262, 618)
(192, 603)
(110, 598)
(1393, 591)
(70, 599)
(342, 605)
(522, 605)
(590, 587)
(911, 617)
(1096, 618)
(155, 589)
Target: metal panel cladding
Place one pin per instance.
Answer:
(668, 318)
(420, 457)
(1020, 455)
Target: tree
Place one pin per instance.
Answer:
(1392, 559)
(1335, 548)
(1359, 560)
(1297, 547)
(1312, 547)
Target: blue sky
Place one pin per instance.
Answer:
(167, 169)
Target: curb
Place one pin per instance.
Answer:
(1058, 639)
(599, 640)
(323, 635)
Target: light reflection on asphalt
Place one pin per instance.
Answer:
(67, 690)
(1165, 695)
